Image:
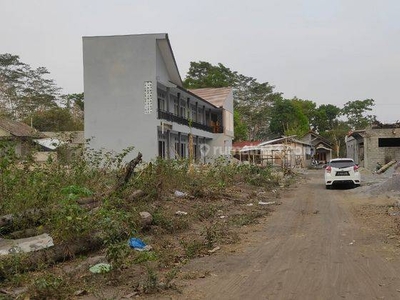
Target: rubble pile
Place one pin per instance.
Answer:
(392, 184)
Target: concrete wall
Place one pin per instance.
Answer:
(115, 71)
(352, 149)
(374, 153)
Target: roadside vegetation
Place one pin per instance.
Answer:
(194, 211)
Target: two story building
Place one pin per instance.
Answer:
(134, 97)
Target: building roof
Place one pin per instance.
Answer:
(240, 145)
(379, 125)
(73, 137)
(49, 143)
(282, 139)
(18, 129)
(278, 141)
(216, 96)
(168, 55)
(318, 137)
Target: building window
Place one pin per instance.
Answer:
(183, 150)
(200, 116)
(193, 115)
(161, 149)
(183, 110)
(389, 142)
(161, 99)
(176, 105)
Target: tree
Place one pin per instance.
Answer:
(325, 117)
(54, 119)
(203, 74)
(252, 100)
(240, 127)
(355, 111)
(336, 136)
(70, 100)
(287, 118)
(24, 90)
(308, 107)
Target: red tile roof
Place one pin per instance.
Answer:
(216, 96)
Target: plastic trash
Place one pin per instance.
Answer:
(267, 203)
(138, 244)
(100, 268)
(180, 194)
(181, 213)
(25, 245)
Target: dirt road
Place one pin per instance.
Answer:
(314, 246)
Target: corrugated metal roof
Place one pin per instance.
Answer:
(49, 143)
(216, 96)
(18, 129)
(74, 137)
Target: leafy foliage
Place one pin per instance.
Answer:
(261, 112)
(203, 74)
(240, 127)
(288, 118)
(24, 90)
(54, 119)
(253, 100)
(355, 111)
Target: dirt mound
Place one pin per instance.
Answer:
(392, 184)
(365, 171)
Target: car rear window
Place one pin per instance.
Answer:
(342, 163)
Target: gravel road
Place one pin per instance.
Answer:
(314, 246)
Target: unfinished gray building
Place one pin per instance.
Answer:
(379, 143)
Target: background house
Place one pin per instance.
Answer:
(282, 152)
(134, 97)
(65, 144)
(379, 143)
(321, 148)
(20, 134)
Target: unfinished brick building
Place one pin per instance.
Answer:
(379, 143)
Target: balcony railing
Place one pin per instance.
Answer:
(164, 115)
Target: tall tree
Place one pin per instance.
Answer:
(288, 119)
(203, 74)
(240, 127)
(70, 100)
(24, 90)
(54, 119)
(356, 113)
(336, 135)
(253, 100)
(325, 117)
(308, 107)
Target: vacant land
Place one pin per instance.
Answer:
(279, 239)
(319, 244)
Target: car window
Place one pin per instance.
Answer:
(342, 163)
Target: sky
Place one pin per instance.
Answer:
(327, 51)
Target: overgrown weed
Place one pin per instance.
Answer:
(50, 194)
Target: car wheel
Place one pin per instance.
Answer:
(328, 187)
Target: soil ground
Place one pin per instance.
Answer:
(319, 244)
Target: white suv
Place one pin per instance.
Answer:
(342, 171)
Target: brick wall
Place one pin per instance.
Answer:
(374, 153)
